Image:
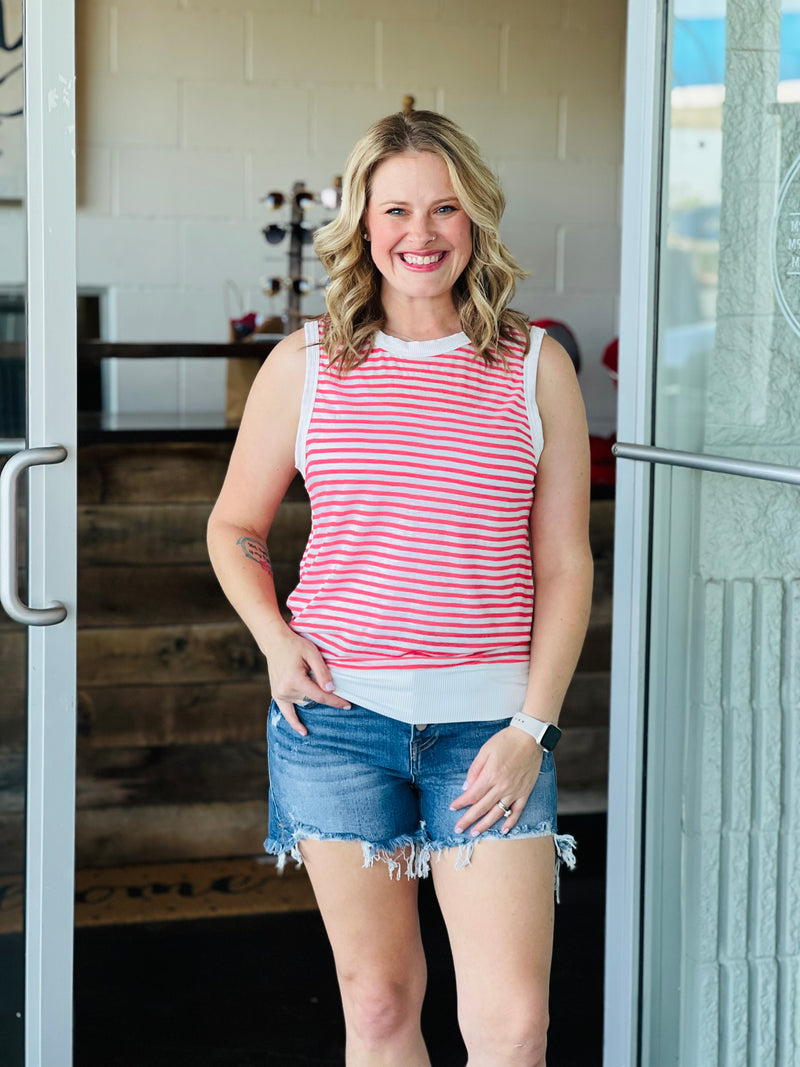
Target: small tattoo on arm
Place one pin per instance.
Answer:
(256, 551)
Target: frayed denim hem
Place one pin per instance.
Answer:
(416, 851)
(417, 854)
(409, 847)
(565, 853)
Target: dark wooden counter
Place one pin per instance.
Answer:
(97, 427)
(96, 351)
(138, 427)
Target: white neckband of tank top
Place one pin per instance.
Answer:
(420, 349)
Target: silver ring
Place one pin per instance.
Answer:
(506, 811)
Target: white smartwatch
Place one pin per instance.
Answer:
(546, 734)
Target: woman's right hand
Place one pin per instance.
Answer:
(297, 672)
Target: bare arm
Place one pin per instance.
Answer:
(259, 473)
(562, 556)
(508, 764)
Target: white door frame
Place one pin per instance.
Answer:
(49, 108)
(644, 91)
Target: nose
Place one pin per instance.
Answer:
(423, 230)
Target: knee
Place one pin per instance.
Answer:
(514, 1036)
(379, 1010)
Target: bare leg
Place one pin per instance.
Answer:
(373, 926)
(499, 916)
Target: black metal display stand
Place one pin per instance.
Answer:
(297, 284)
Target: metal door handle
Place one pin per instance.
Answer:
(745, 468)
(10, 445)
(9, 594)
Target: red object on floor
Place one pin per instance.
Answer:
(610, 360)
(560, 332)
(604, 465)
(244, 326)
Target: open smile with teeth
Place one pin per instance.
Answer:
(422, 261)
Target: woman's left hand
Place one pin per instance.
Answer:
(503, 772)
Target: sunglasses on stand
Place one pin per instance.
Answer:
(271, 286)
(303, 199)
(274, 234)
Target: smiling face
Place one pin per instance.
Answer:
(420, 236)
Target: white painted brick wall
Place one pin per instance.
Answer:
(153, 43)
(176, 182)
(236, 115)
(461, 55)
(341, 114)
(127, 251)
(93, 32)
(190, 110)
(125, 110)
(96, 171)
(169, 314)
(314, 49)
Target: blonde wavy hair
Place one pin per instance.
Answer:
(486, 286)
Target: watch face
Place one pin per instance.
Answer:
(550, 738)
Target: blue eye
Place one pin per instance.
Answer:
(395, 211)
(446, 208)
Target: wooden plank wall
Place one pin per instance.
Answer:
(172, 690)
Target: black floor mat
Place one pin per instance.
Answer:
(260, 991)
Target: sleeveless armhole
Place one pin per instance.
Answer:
(531, 367)
(309, 393)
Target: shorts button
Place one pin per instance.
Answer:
(422, 726)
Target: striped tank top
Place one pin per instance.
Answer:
(416, 583)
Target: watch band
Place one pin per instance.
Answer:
(546, 734)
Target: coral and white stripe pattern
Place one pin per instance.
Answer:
(420, 468)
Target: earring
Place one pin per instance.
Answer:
(365, 235)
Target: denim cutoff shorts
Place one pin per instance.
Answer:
(362, 776)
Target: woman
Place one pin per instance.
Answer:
(414, 700)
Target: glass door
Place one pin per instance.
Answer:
(704, 827)
(37, 531)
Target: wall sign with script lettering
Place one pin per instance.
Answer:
(12, 146)
(785, 247)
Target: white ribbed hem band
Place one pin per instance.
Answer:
(477, 693)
